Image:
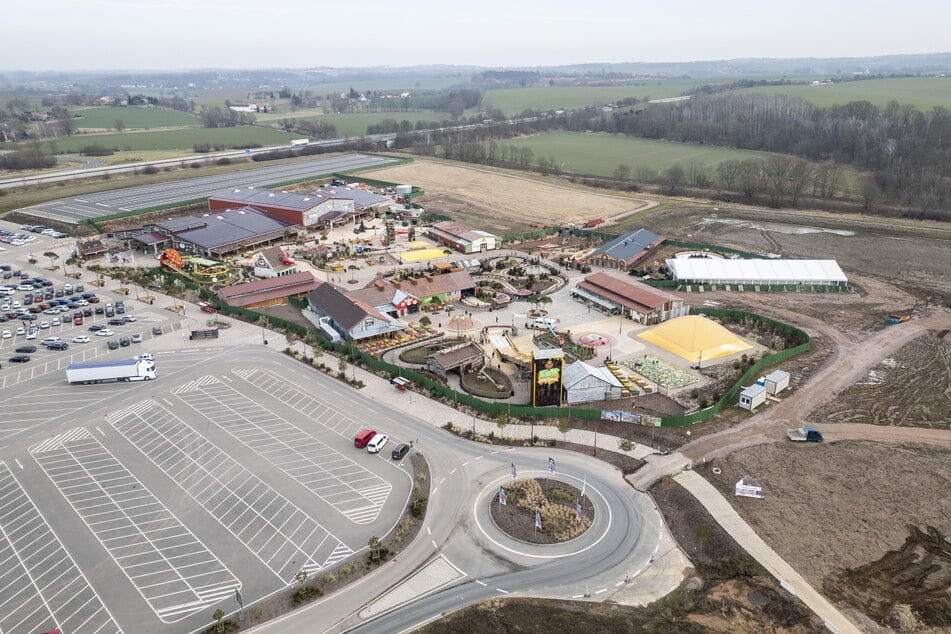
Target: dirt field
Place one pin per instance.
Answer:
(499, 202)
(834, 507)
(909, 388)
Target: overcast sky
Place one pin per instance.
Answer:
(170, 34)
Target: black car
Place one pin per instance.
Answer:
(100, 310)
(19, 358)
(399, 451)
(87, 312)
(112, 344)
(116, 322)
(124, 342)
(25, 349)
(88, 295)
(57, 345)
(96, 327)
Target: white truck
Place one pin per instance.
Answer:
(103, 371)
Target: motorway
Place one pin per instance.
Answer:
(106, 203)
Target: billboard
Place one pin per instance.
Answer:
(546, 380)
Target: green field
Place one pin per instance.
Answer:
(174, 139)
(922, 92)
(134, 117)
(512, 101)
(600, 154)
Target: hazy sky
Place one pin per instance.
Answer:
(168, 34)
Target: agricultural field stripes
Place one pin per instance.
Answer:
(280, 534)
(41, 588)
(350, 489)
(172, 569)
(313, 407)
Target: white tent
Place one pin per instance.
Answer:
(722, 271)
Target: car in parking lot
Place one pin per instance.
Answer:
(124, 342)
(50, 340)
(44, 324)
(128, 318)
(105, 332)
(87, 312)
(99, 310)
(145, 356)
(93, 300)
(25, 349)
(156, 330)
(116, 322)
(81, 339)
(55, 322)
(377, 443)
(6, 334)
(21, 330)
(19, 358)
(136, 338)
(58, 345)
(399, 451)
(112, 344)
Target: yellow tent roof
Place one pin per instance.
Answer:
(694, 338)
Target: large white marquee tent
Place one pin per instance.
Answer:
(723, 271)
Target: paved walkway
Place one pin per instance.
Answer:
(732, 523)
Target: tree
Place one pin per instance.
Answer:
(376, 548)
(625, 444)
(217, 616)
(52, 256)
(564, 426)
(674, 177)
(622, 172)
(501, 420)
(301, 577)
(352, 268)
(119, 125)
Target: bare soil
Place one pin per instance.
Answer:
(835, 510)
(502, 202)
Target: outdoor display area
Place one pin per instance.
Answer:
(541, 511)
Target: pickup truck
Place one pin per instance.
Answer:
(807, 433)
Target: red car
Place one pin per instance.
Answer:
(93, 300)
(208, 308)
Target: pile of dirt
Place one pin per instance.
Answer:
(906, 587)
(894, 392)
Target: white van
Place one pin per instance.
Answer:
(544, 322)
(377, 443)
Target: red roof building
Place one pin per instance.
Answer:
(617, 293)
(268, 292)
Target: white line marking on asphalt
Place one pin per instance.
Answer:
(577, 596)
(481, 583)
(501, 590)
(480, 457)
(601, 590)
(227, 378)
(453, 471)
(100, 431)
(618, 584)
(434, 544)
(429, 531)
(493, 453)
(443, 480)
(19, 464)
(434, 491)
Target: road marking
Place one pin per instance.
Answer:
(618, 584)
(465, 463)
(434, 491)
(481, 583)
(100, 431)
(434, 544)
(601, 590)
(501, 590)
(493, 453)
(577, 596)
(19, 464)
(453, 471)
(479, 457)
(429, 531)
(443, 480)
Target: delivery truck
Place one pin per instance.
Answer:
(104, 371)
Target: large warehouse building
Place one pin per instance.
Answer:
(721, 271)
(293, 207)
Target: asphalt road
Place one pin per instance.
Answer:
(73, 210)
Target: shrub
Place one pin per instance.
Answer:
(150, 169)
(97, 150)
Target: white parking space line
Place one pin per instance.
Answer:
(41, 587)
(355, 492)
(279, 533)
(179, 575)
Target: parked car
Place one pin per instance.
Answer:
(81, 339)
(25, 349)
(116, 322)
(96, 327)
(105, 332)
(377, 443)
(19, 358)
(156, 330)
(124, 342)
(58, 345)
(399, 451)
(136, 338)
(112, 344)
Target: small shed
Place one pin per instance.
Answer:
(583, 383)
(749, 488)
(776, 382)
(752, 397)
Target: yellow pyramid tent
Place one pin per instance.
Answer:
(694, 338)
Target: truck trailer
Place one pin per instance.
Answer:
(807, 433)
(104, 371)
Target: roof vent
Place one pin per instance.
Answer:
(220, 217)
(271, 194)
(306, 198)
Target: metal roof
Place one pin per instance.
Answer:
(233, 226)
(274, 198)
(721, 271)
(628, 246)
(579, 370)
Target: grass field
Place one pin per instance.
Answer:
(134, 117)
(174, 139)
(514, 100)
(921, 92)
(600, 154)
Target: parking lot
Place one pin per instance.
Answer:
(144, 507)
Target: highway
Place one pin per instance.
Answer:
(106, 203)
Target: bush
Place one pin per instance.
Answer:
(97, 150)
(223, 161)
(150, 169)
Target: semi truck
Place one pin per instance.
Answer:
(104, 371)
(807, 433)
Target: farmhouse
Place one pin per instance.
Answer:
(616, 293)
(315, 209)
(273, 262)
(351, 320)
(756, 272)
(624, 251)
(463, 238)
(268, 292)
(583, 383)
(214, 235)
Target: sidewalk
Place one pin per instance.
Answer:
(752, 543)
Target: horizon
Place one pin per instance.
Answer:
(421, 33)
